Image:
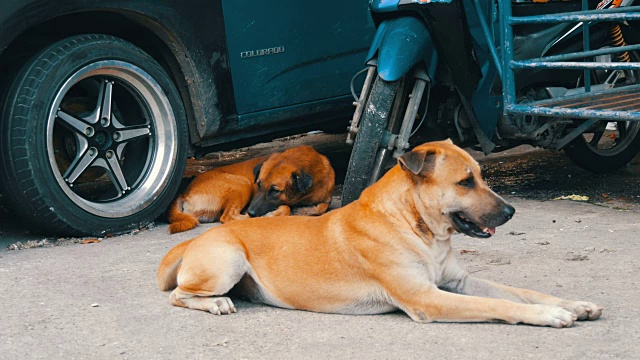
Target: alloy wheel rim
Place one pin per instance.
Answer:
(123, 140)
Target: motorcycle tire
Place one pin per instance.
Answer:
(587, 154)
(93, 138)
(377, 109)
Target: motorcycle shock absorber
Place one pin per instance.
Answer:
(615, 32)
(618, 40)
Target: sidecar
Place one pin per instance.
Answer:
(504, 73)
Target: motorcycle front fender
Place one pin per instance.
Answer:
(399, 45)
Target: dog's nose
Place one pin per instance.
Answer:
(251, 213)
(508, 211)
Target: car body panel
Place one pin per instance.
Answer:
(226, 96)
(289, 52)
(202, 59)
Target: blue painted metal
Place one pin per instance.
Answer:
(398, 48)
(575, 65)
(323, 47)
(486, 106)
(508, 77)
(585, 46)
(622, 103)
(399, 45)
(625, 97)
(382, 6)
(583, 54)
(488, 36)
(574, 113)
(618, 14)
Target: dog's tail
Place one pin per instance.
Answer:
(170, 265)
(179, 220)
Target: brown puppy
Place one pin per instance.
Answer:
(215, 195)
(296, 177)
(389, 250)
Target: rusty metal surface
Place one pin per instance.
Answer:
(573, 65)
(583, 54)
(618, 14)
(620, 104)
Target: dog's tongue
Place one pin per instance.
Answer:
(492, 230)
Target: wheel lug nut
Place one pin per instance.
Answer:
(116, 136)
(92, 152)
(109, 154)
(89, 131)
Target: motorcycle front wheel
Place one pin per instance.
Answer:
(383, 109)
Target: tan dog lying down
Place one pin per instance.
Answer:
(298, 177)
(388, 250)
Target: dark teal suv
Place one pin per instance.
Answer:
(103, 101)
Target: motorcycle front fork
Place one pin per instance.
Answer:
(395, 140)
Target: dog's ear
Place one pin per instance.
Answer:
(256, 172)
(418, 162)
(302, 181)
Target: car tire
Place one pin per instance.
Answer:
(93, 138)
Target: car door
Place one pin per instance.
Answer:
(286, 52)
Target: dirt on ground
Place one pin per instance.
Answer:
(98, 298)
(523, 172)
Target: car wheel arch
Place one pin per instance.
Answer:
(157, 40)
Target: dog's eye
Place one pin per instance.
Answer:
(274, 192)
(259, 183)
(468, 182)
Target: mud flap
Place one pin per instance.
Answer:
(448, 25)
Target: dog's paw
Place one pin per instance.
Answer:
(241, 217)
(554, 316)
(282, 210)
(222, 306)
(583, 310)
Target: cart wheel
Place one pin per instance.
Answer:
(608, 145)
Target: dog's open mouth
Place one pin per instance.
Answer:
(470, 228)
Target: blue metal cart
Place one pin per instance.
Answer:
(594, 104)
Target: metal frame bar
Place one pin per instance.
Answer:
(574, 65)
(489, 37)
(582, 54)
(617, 14)
(551, 107)
(508, 78)
(627, 90)
(574, 113)
(585, 47)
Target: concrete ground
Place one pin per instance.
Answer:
(100, 300)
